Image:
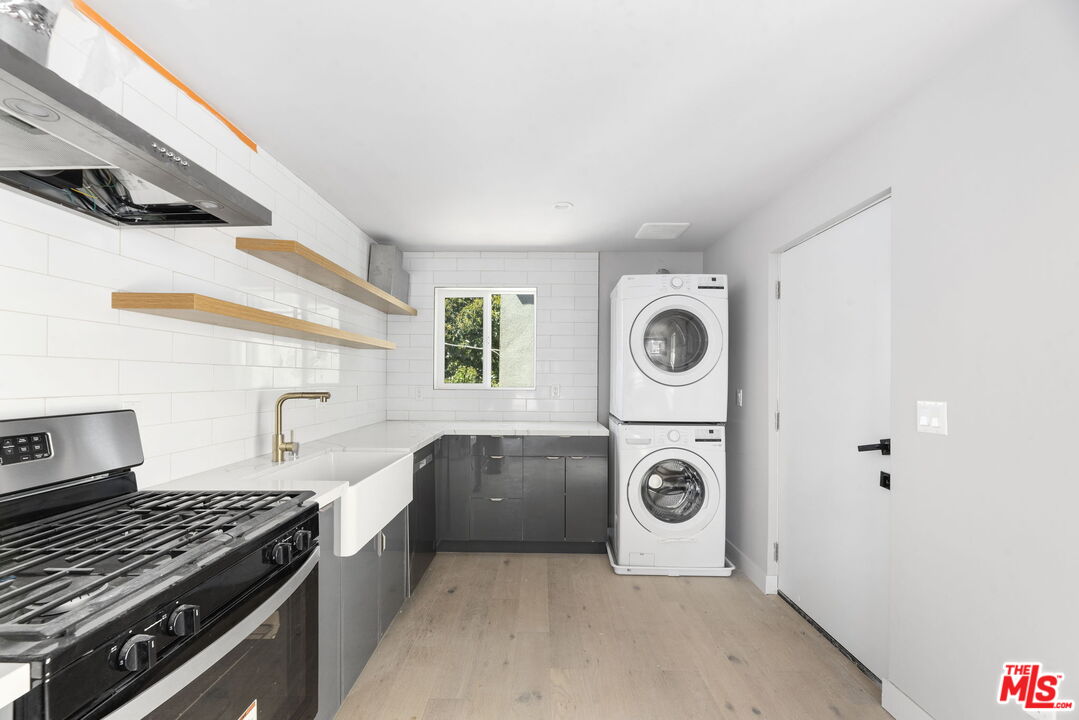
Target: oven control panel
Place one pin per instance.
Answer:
(24, 448)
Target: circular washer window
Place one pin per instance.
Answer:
(675, 340)
(673, 491)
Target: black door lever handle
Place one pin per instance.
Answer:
(885, 447)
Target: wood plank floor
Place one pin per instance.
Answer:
(491, 637)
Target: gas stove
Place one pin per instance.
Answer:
(108, 592)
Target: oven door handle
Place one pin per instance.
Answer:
(163, 690)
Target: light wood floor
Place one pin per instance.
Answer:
(491, 637)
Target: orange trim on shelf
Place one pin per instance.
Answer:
(89, 12)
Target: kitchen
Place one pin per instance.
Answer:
(373, 376)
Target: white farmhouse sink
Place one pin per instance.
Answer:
(379, 487)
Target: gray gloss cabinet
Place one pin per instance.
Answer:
(501, 476)
(392, 570)
(359, 596)
(460, 470)
(329, 620)
(359, 613)
(496, 518)
(544, 498)
(531, 489)
(586, 498)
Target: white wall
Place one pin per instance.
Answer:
(984, 167)
(203, 395)
(613, 265)
(566, 336)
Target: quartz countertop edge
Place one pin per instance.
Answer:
(396, 438)
(14, 682)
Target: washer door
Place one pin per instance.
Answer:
(676, 340)
(673, 493)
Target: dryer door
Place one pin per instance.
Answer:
(676, 340)
(673, 493)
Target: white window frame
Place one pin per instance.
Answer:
(441, 294)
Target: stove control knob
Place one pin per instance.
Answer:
(281, 554)
(185, 620)
(139, 652)
(302, 540)
(674, 436)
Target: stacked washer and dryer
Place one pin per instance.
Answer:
(668, 403)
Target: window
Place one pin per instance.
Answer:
(485, 338)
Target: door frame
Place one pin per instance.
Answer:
(772, 565)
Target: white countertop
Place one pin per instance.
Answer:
(411, 436)
(395, 438)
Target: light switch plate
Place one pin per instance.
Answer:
(932, 417)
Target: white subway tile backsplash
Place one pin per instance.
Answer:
(23, 334)
(80, 338)
(41, 377)
(75, 261)
(154, 249)
(23, 248)
(56, 297)
(156, 377)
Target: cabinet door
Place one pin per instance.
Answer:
(359, 613)
(501, 476)
(579, 445)
(329, 621)
(586, 498)
(498, 444)
(544, 498)
(392, 570)
(496, 519)
(459, 477)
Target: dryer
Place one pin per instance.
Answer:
(668, 499)
(669, 348)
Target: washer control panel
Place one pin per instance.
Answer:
(24, 448)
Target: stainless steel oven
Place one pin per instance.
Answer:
(264, 667)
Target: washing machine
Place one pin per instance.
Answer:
(668, 499)
(669, 348)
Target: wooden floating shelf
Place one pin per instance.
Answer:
(203, 309)
(305, 262)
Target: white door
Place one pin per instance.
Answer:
(834, 385)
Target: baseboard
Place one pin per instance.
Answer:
(901, 707)
(771, 585)
(752, 570)
(522, 546)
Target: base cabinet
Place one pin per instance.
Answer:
(359, 596)
(545, 498)
(540, 492)
(359, 612)
(392, 570)
(586, 498)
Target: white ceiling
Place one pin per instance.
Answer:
(444, 125)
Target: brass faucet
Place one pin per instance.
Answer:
(280, 447)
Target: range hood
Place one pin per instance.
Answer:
(62, 145)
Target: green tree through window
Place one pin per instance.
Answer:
(464, 340)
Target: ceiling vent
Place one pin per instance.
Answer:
(661, 231)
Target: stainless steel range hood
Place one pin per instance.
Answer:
(62, 145)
